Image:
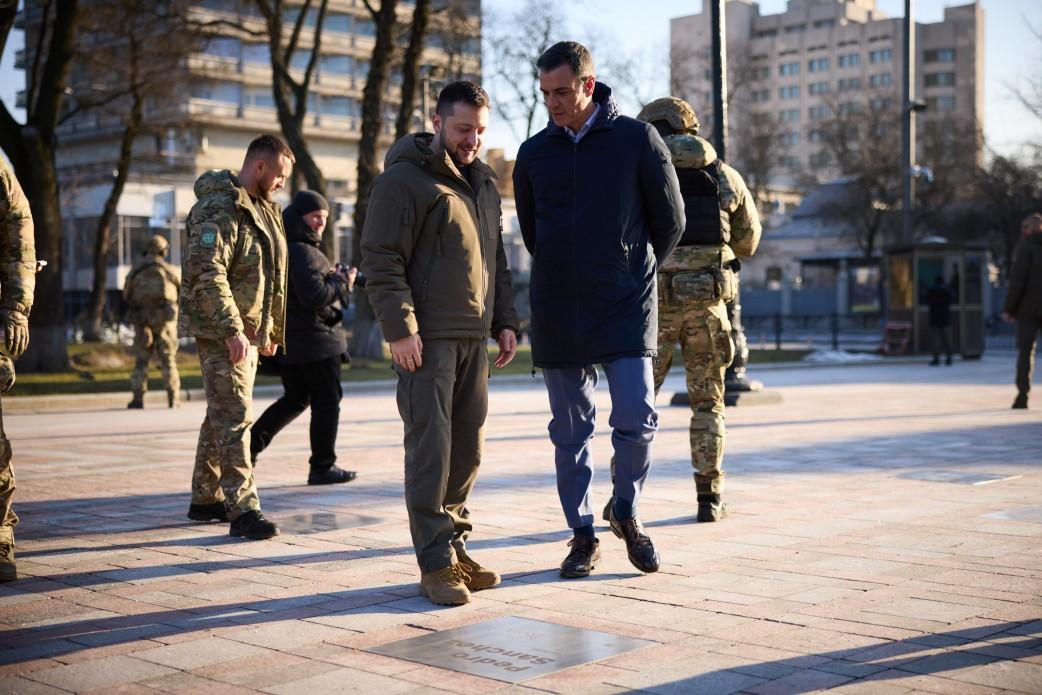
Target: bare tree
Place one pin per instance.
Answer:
(31, 148)
(1008, 189)
(1030, 94)
(421, 16)
(129, 52)
(367, 341)
(761, 136)
(515, 42)
(458, 26)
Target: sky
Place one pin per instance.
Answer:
(641, 27)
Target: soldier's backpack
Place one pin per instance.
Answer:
(707, 223)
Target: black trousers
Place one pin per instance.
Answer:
(1028, 331)
(316, 384)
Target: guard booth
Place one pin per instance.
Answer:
(910, 272)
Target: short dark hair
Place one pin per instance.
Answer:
(269, 146)
(463, 91)
(569, 53)
(1033, 218)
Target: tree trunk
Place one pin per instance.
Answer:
(366, 330)
(104, 229)
(411, 67)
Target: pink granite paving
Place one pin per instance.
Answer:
(840, 566)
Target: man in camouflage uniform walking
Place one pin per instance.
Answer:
(697, 281)
(17, 281)
(151, 295)
(233, 302)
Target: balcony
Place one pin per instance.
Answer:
(20, 99)
(216, 110)
(19, 59)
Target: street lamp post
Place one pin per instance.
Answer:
(909, 107)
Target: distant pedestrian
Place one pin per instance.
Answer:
(315, 344)
(600, 210)
(1024, 302)
(233, 302)
(150, 292)
(17, 282)
(432, 254)
(939, 299)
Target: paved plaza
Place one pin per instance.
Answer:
(885, 536)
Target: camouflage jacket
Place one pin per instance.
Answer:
(233, 275)
(17, 249)
(691, 151)
(151, 292)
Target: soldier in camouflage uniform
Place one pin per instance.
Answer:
(17, 281)
(697, 281)
(151, 295)
(233, 302)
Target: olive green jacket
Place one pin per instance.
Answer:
(432, 247)
(233, 274)
(17, 248)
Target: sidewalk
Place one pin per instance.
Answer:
(884, 538)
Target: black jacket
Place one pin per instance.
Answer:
(313, 315)
(1024, 299)
(939, 299)
(598, 216)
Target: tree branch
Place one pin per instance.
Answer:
(56, 68)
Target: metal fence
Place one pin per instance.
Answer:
(857, 332)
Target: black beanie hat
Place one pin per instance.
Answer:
(308, 201)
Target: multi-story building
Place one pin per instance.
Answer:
(791, 72)
(226, 100)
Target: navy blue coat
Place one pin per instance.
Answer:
(598, 216)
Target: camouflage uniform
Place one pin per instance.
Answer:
(17, 280)
(694, 286)
(233, 281)
(151, 295)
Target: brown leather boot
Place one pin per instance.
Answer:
(480, 577)
(446, 587)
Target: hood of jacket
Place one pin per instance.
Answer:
(297, 230)
(415, 148)
(690, 151)
(602, 95)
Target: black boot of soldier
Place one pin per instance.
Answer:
(710, 508)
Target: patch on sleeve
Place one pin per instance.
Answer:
(208, 235)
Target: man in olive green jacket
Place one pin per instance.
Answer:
(437, 277)
(233, 302)
(1024, 302)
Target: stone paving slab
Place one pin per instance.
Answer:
(851, 559)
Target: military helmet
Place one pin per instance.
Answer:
(157, 246)
(677, 112)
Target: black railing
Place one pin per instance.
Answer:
(856, 332)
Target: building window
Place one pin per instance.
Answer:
(226, 92)
(824, 23)
(789, 162)
(883, 55)
(940, 79)
(939, 55)
(818, 159)
(339, 106)
(818, 65)
(365, 27)
(796, 29)
(790, 115)
(883, 104)
(790, 138)
(849, 60)
(816, 135)
(763, 73)
(789, 69)
(766, 33)
(816, 113)
(339, 22)
(260, 97)
(333, 64)
(848, 107)
(818, 88)
(883, 79)
(791, 91)
(223, 46)
(761, 95)
(258, 53)
(940, 103)
(849, 83)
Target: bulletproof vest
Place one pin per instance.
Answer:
(707, 223)
(151, 286)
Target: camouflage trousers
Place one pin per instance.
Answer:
(159, 340)
(700, 325)
(223, 471)
(8, 519)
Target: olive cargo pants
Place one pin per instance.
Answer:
(443, 406)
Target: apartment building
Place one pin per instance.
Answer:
(226, 101)
(819, 58)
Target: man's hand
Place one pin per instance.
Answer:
(406, 352)
(238, 346)
(16, 326)
(507, 340)
(1007, 317)
(268, 350)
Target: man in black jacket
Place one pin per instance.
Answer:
(599, 207)
(315, 345)
(1024, 302)
(939, 300)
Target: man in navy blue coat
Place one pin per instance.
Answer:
(599, 207)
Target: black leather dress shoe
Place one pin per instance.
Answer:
(639, 548)
(586, 553)
(330, 476)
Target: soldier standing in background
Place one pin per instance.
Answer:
(151, 296)
(697, 281)
(233, 302)
(17, 281)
